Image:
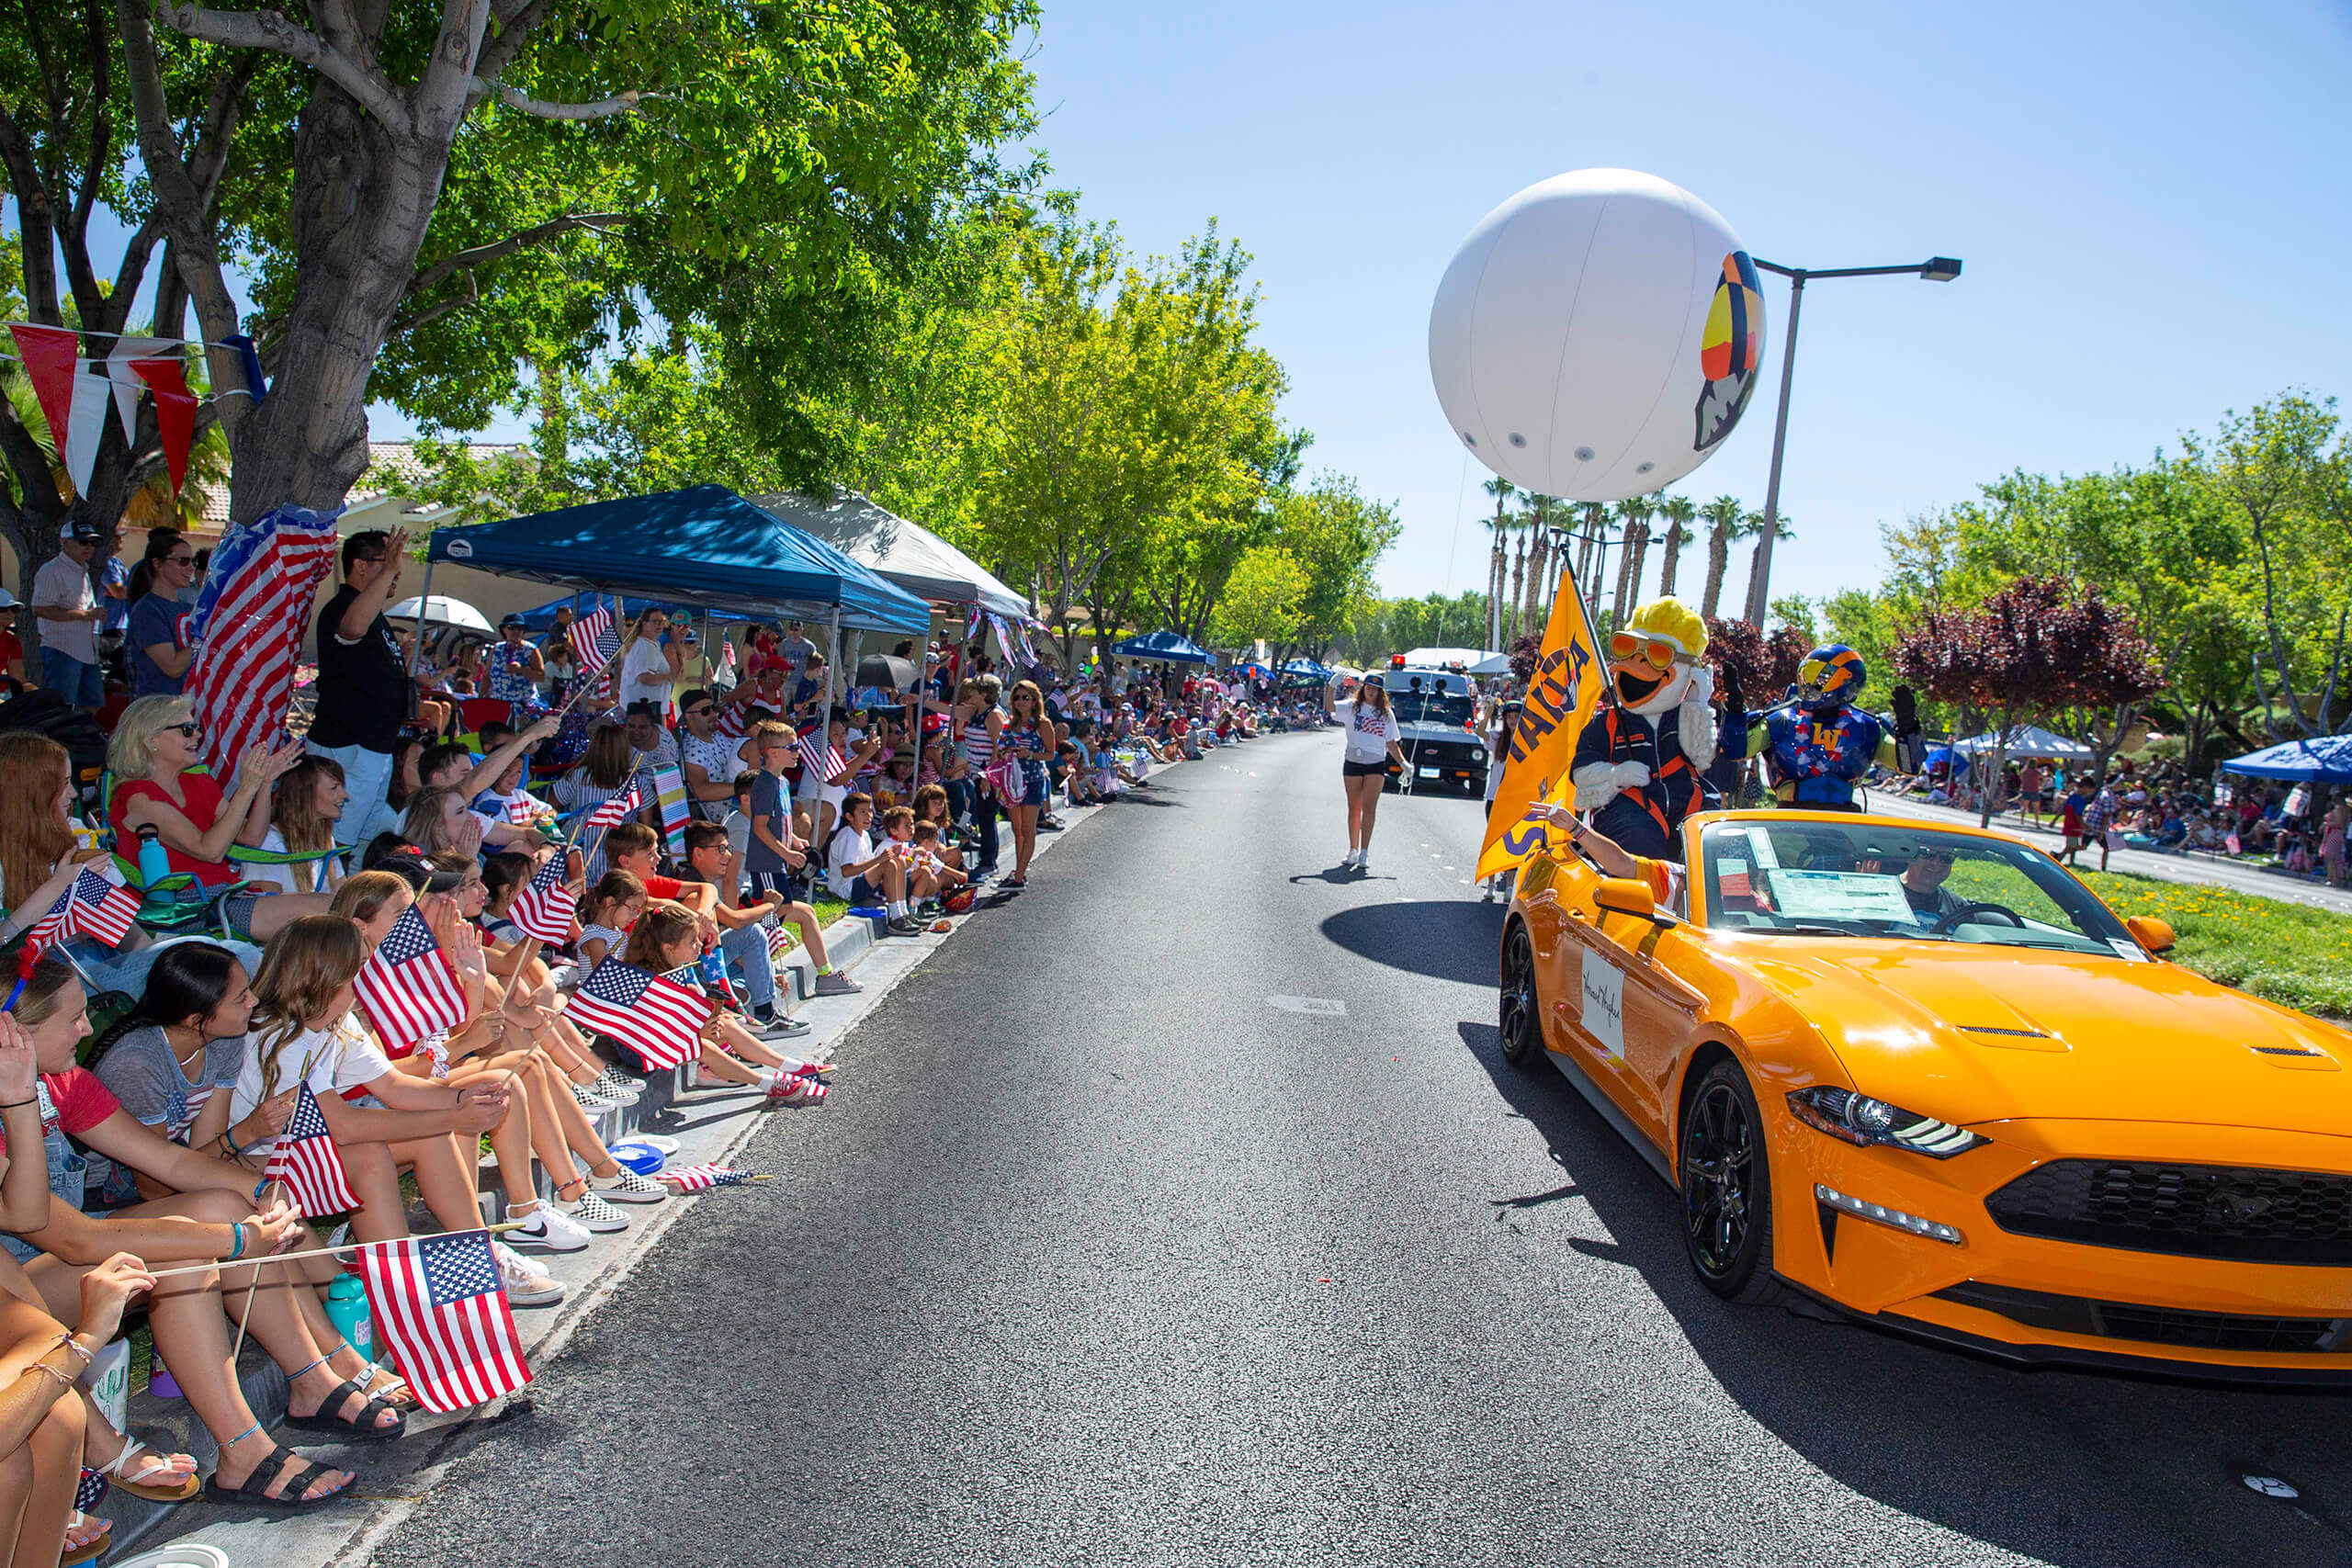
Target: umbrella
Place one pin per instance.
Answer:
(887, 670)
(442, 611)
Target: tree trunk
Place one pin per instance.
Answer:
(1624, 575)
(1641, 554)
(1718, 560)
(1518, 582)
(1670, 571)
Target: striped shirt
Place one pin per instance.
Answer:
(978, 744)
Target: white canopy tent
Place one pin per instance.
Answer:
(1465, 657)
(1493, 664)
(899, 551)
(2026, 740)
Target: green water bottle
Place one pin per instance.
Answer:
(347, 1310)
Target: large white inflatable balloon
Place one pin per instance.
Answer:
(1596, 335)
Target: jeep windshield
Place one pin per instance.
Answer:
(1431, 707)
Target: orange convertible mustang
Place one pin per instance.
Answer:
(1920, 1074)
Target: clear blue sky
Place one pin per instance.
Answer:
(2152, 202)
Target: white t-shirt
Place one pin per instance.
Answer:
(647, 657)
(63, 583)
(290, 878)
(343, 1057)
(850, 846)
(1369, 733)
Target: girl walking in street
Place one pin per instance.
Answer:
(1373, 740)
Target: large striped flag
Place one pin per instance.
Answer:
(97, 905)
(305, 1159)
(544, 908)
(408, 987)
(248, 624)
(653, 1015)
(438, 1304)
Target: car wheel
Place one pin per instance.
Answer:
(1726, 1189)
(1522, 1018)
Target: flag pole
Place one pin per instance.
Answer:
(316, 1252)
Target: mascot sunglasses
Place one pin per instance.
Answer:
(1660, 652)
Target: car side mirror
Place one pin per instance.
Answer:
(1626, 896)
(2154, 934)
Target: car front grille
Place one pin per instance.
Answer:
(2237, 1214)
(2157, 1326)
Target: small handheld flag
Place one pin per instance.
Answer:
(97, 905)
(440, 1305)
(408, 985)
(545, 906)
(306, 1160)
(656, 1017)
(703, 1178)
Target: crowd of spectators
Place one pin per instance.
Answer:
(154, 1074)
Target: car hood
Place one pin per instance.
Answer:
(1434, 732)
(1974, 1034)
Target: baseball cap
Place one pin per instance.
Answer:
(7, 600)
(81, 530)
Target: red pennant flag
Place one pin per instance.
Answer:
(48, 354)
(175, 412)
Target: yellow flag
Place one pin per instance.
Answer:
(1535, 763)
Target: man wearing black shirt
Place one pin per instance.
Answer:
(364, 692)
(1923, 885)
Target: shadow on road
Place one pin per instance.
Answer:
(2076, 1469)
(1449, 939)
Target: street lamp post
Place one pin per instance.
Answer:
(1935, 269)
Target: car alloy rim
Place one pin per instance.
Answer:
(1718, 1173)
(1519, 992)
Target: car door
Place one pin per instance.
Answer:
(1627, 1015)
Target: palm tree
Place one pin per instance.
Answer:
(1636, 512)
(1520, 525)
(1504, 493)
(1725, 518)
(1540, 568)
(1751, 526)
(1679, 511)
(1596, 524)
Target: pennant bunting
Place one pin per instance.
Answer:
(124, 378)
(175, 412)
(85, 423)
(249, 358)
(49, 354)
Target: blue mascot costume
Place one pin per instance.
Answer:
(1816, 743)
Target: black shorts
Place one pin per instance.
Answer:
(788, 883)
(1362, 769)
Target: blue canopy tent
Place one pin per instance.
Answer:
(2327, 759)
(541, 617)
(1307, 667)
(706, 547)
(1165, 648)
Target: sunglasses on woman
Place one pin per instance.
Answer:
(190, 728)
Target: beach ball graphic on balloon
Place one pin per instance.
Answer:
(1598, 335)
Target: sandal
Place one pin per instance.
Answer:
(141, 1481)
(361, 1426)
(399, 1397)
(256, 1486)
(98, 1540)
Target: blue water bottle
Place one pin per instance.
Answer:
(347, 1310)
(154, 866)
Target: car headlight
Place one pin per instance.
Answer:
(1477, 753)
(1859, 1119)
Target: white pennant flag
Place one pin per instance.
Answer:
(86, 426)
(127, 384)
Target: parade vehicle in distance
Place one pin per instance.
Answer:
(1919, 1074)
(1435, 709)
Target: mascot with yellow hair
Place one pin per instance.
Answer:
(1641, 753)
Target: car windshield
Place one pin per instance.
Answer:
(1877, 878)
(1431, 707)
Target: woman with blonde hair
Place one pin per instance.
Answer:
(302, 814)
(159, 782)
(648, 666)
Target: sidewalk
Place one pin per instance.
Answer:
(2199, 867)
(710, 1124)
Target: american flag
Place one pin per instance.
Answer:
(544, 908)
(408, 987)
(817, 751)
(703, 1178)
(247, 627)
(617, 810)
(593, 638)
(656, 1017)
(438, 1303)
(305, 1159)
(97, 905)
(727, 664)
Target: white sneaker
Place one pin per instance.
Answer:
(1364, 862)
(1348, 861)
(526, 1286)
(591, 1213)
(545, 1230)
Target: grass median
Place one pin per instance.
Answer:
(2291, 954)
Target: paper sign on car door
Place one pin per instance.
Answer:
(1602, 1010)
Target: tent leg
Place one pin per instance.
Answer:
(424, 603)
(834, 660)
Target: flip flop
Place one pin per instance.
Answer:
(91, 1546)
(361, 1427)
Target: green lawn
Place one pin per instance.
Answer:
(2291, 954)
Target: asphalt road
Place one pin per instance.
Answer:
(1118, 1245)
